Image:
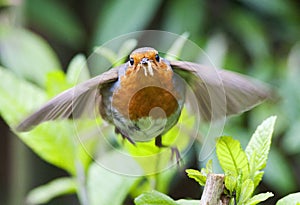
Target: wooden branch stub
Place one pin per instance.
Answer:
(213, 193)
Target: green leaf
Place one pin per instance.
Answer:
(277, 8)
(107, 187)
(126, 48)
(231, 157)
(208, 168)
(200, 177)
(163, 179)
(290, 199)
(260, 143)
(239, 184)
(258, 175)
(4, 3)
(78, 70)
(56, 83)
(55, 188)
(62, 144)
(109, 54)
(154, 198)
(197, 176)
(27, 54)
(174, 51)
(109, 26)
(258, 148)
(149, 157)
(246, 190)
(188, 202)
(66, 27)
(250, 32)
(216, 47)
(259, 198)
(17, 97)
(230, 183)
(177, 21)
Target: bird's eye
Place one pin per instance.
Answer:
(157, 58)
(131, 61)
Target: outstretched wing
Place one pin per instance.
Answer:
(219, 92)
(75, 102)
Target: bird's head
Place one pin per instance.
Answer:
(148, 59)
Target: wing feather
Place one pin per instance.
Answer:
(219, 92)
(76, 102)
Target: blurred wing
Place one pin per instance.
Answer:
(77, 101)
(219, 92)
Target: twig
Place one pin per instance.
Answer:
(213, 193)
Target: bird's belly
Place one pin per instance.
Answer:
(146, 128)
(150, 112)
(144, 110)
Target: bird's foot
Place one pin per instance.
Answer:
(174, 150)
(124, 137)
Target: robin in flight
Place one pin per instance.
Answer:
(143, 97)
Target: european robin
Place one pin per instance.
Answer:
(143, 97)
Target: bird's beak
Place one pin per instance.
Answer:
(144, 61)
(146, 65)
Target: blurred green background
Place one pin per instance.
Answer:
(257, 38)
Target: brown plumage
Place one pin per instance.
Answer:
(127, 94)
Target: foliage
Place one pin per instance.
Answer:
(243, 168)
(52, 189)
(200, 177)
(290, 199)
(235, 162)
(258, 38)
(71, 145)
(154, 197)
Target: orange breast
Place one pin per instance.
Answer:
(149, 98)
(139, 94)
